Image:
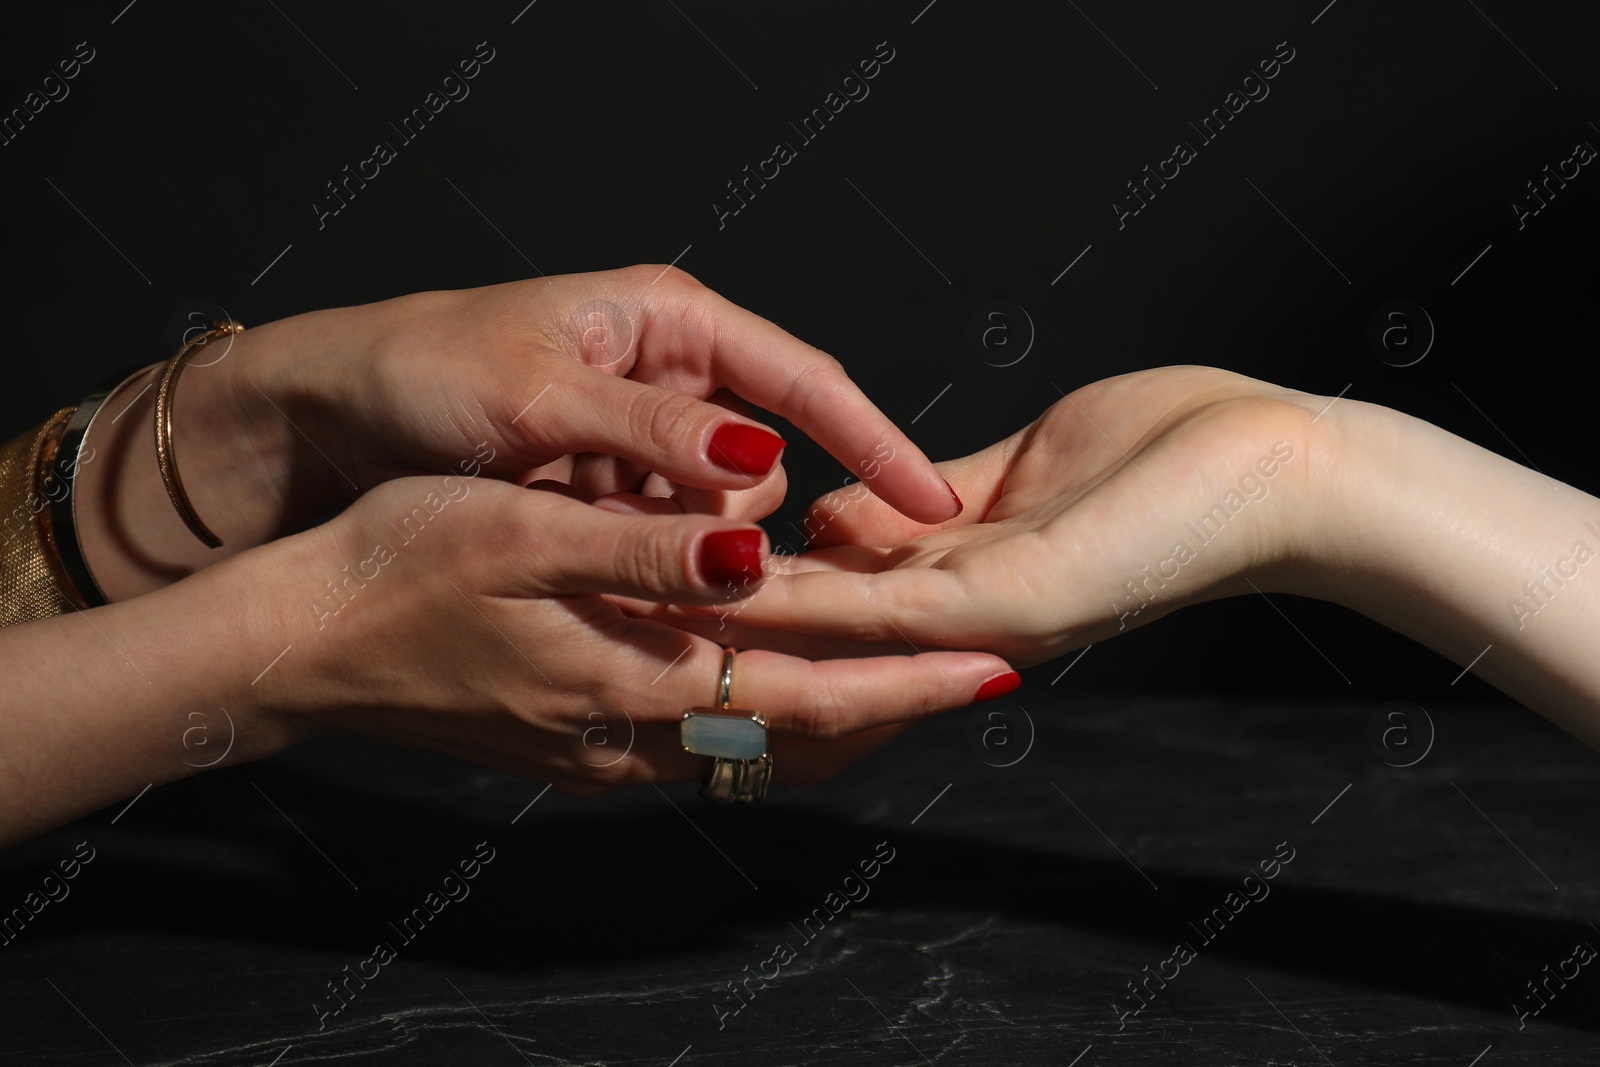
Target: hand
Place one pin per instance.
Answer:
(598, 380)
(1139, 495)
(615, 382)
(1125, 501)
(471, 617)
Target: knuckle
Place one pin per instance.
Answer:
(640, 274)
(521, 541)
(661, 278)
(684, 279)
(661, 418)
(819, 379)
(633, 570)
(655, 559)
(518, 519)
(659, 274)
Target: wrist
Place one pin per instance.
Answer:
(240, 414)
(287, 675)
(251, 427)
(211, 643)
(1342, 535)
(335, 639)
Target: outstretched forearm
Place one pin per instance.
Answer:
(1483, 560)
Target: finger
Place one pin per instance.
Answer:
(566, 547)
(557, 470)
(816, 703)
(829, 699)
(722, 625)
(595, 475)
(547, 485)
(923, 606)
(745, 505)
(851, 515)
(657, 755)
(684, 439)
(819, 716)
(731, 401)
(637, 504)
(775, 370)
(655, 485)
(842, 559)
(749, 504)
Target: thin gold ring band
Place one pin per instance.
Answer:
(725, 687)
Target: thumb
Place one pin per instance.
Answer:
(854, 516)
(684, 439)
(565, 547)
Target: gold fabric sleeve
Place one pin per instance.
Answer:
(32, 584)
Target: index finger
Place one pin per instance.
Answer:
(769, 367)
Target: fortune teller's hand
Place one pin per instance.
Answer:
(471, 617)
(1123, 502)
(616, 382)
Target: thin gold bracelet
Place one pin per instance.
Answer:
(164, 454)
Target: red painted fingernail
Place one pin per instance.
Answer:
(744, 449)
(960, 507)
(731, 557)
(998, 686)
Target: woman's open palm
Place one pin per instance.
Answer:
(1125, 500)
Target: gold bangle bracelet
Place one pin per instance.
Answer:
(32, 585)
(164, 453)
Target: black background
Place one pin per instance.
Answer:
(995, 141)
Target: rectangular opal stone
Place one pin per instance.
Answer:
(708, 733)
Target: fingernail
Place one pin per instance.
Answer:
(744, 449)
(960, 507)
(731, 557)
(998, 686)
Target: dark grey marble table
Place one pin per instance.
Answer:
(1015, 907)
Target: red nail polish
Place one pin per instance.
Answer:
(998, 686)
(960, 507)
(731, 558)
(745, 449)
